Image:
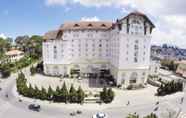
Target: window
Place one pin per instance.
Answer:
(55, 52)
(135, 59)
(136, 54)
(89, 25)
(103, 25)
(90, 35)
(136, 47)
(76, 25)
(133, 81)
(136, 41)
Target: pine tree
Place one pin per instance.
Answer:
(133, 116)
(30, 91)
(152, 115)
(80, 95)
(50, 93)
(103, 94)
(64, 93)
(32, 70)
(72, 94)
(110, 95)
(37, 92)
(57, 94)
(43, 94)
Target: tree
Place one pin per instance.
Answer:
(32, 70)
(133, 116)
(103, 94)
(50, 93)
(37, 93)
(169, 88)
(43, 94)
(56, 96)
(80, 95)
(30, 91)
(64, 93)
(5, 71)
(72, 94)
(107, 95)
(152, 115)
(5, 46)
(21, 42)
(110, 95)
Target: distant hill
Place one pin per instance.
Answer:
(167, 52)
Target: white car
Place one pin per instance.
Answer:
(99, 115)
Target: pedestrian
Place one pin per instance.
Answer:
(128, 103)
(157, 102)
(182, 100)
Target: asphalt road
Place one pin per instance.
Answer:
(12, 108)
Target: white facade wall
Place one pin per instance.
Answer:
(125, 52)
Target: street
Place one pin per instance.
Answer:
(11, 107)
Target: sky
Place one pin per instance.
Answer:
(35, 17)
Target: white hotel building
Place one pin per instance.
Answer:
(123, 47)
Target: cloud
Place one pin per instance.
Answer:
(56, 2)
(95, 18)
(3, 36)
(168, 15)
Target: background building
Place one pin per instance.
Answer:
(14, 55)
(122, 48)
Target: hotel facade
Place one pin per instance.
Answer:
(122, 47)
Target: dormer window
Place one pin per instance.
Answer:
(103, 25)
(89, 25)
(76, 25)
(135, 22)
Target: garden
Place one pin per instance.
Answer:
(60, 94)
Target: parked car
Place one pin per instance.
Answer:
(99, 115)
(79, 112)
(20, 100)
(34, 107)
(73, 114)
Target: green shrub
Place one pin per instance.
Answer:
(59, 95)
(107, 95)
(169, 88)
(32, 70)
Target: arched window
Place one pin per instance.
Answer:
(76, 25)
(89, 25)
(103, 25)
